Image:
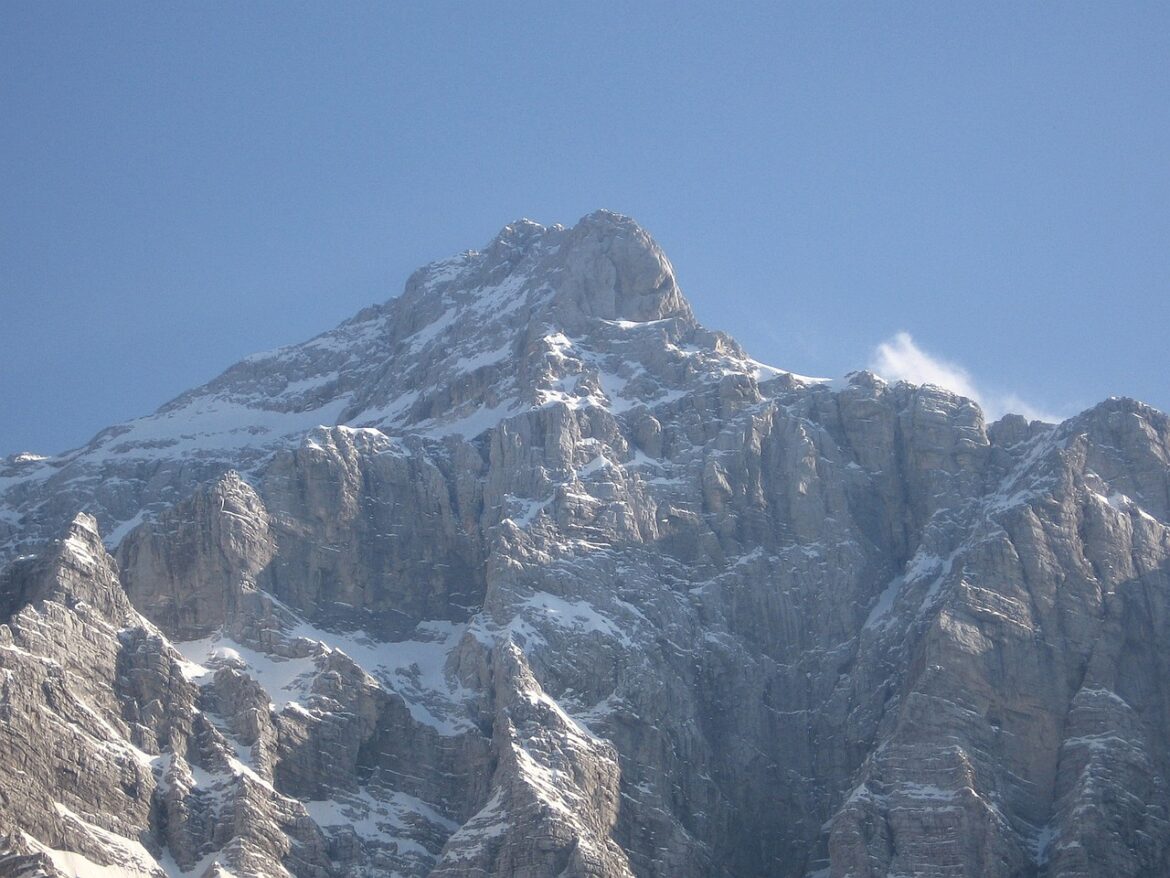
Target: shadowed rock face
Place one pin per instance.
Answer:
(525, 573)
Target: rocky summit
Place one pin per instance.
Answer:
(526, 573)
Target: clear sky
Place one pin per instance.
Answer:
(978, 192)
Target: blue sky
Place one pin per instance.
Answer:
(978, 190)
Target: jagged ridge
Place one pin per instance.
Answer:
(573, 586)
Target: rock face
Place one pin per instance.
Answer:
(525, 573)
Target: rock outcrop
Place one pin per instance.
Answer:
(526, 573)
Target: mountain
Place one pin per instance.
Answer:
(526, 573)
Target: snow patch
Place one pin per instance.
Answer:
(129, 859)
(283, 679)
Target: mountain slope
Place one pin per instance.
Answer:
(532, 320)
(568, 585)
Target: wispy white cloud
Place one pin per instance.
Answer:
(901, 359)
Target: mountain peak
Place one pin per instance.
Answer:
(589, 317)
(614, 270)
(606, 267)
(571, 582)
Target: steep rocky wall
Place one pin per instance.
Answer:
(572, 586)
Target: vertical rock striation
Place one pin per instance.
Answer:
(526, 573)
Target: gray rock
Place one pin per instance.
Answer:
(526, 573)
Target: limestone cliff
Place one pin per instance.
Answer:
(526, 573)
